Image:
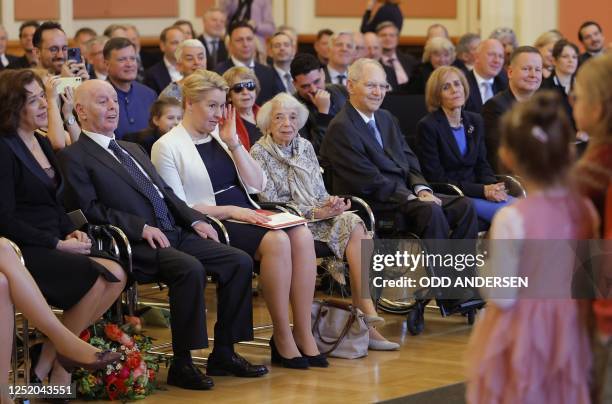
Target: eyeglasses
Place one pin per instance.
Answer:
(56, 49)
(249, 85)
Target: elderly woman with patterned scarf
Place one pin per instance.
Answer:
(292, 169)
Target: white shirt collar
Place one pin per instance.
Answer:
(4, 60)
(480, 79)
(100, 76)
(102, 140)
(280, 72)
(210, 39)
(334, 73)
(236, 62)
(363, 116)
(175, 75)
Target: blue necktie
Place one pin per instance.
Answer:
(374, 131)
(164, 218)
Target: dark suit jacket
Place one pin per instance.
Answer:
(441, 160)
(98, 184)
(409, 63)
(145, 138)
(474, 101)
(280, 82)
(387, 12)
(386, 176)
(265, 75)
(157, 77)
(11, 59)
(19, 63)
(222, 55)
(31, 208)
(492, 111)
(552, 83)
(317, 123)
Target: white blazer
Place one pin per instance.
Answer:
(178, 162)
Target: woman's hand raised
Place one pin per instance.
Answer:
(227, 127)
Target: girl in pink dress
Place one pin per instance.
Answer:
(526, 350)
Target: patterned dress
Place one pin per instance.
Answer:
(336, 231)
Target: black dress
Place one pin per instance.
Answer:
(228, 191)
(386, 12)
(33, 216)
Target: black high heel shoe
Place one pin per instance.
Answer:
(103, 359)
(299, 362)
(35, 351)
(316, 361)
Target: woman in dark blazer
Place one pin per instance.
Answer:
(451, 144)
(33, 216)
(565, 62)
(380, 11)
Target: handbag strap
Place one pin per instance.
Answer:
(345, 330)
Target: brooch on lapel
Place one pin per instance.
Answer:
(470, 129)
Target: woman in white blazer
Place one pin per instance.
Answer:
(213, 173)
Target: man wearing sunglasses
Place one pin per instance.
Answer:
(51, 50)
(242, 53)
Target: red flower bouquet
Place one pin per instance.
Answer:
(133, 377)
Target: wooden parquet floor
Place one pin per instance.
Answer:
(430, 360)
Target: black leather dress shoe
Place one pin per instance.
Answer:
(188, 377)
(236, 365)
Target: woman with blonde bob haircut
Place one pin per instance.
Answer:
(451, 145)
(207, 166)
(438, 52)
(294, 176)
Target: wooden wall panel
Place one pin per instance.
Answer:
(573, 13)
(412, 9)
(88, 9)
(203, 5)
(37, 10)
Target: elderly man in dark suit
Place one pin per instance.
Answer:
(370, 159)
(115, 182)
(164, 72)
(487, 78)
(242, 53)
(525, 77)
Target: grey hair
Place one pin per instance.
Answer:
(187, 43)
(283, 100)
(463, 46)
(503, 33)
(98, 40)
(355, 71)
(337, 35)
(437, 44)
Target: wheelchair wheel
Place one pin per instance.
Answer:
(471, 316)
(415, 320)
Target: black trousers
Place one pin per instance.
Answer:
(456, 218)
(184, 268)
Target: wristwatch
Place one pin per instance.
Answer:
(71, 120)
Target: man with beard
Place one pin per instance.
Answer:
(51, 49)
(322, 100)
(592, 39)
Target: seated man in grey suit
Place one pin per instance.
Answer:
(115, 182)
(370, 159)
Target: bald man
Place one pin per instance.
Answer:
(487, 78)
(115, 183)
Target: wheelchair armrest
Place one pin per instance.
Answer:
(513, 185)
(287, 207)
(446, 189)
(364, 210)
(221, 230)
